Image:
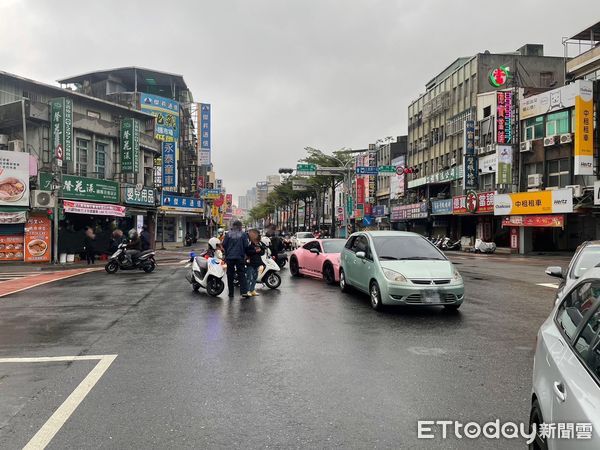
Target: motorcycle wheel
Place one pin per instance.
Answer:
(282, 263)
(111, 267)
(273, 280)
(195, 286)
(149, 268)
(215, 286)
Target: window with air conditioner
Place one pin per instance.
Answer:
(533, 168)
(557, 123)
(533, 129)
(558, 173)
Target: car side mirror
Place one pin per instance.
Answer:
(555, 271)
(361, 255)
(315, 251)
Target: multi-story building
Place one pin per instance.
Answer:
(437, 139)
(87, 173)
(388, 151)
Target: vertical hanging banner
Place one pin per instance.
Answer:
(228, 207)
(166, 112)
(470, 173)
(204, 123)
(130, 146)
(505, 157)
(61, 128)
(360, 190)
(169, 164)
(372, 179)
(584, 129)
(504, 104)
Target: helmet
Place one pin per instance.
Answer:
(220, 231)
(265, 240)
(132, 233)
(213, 242)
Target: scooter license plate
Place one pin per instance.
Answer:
(430, 296)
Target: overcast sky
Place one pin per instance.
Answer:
(281, 74)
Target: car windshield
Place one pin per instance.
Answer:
(589, 257)
(305, 235)
(333, 245)
(405, 248)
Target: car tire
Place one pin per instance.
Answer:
(344, 287)
(328, 273)
(535, 417)
(294, 267)
(452, 307)
(375, 296)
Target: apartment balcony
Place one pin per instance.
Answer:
(585, 63)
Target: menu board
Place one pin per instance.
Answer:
(11, 247)
(37, 239)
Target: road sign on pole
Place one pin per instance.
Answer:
(386, 170)
(366, 170)
(306, 170)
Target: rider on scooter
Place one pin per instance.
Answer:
(214, 250)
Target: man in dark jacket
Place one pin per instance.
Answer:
(235, 243)
(145, 238)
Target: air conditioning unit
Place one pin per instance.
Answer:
(577, 190)
(553, 188)
(534, 180)
(42, 199)
(16, 146)
(453, 161)
(550, 141)
(526, 146)
(566, 138)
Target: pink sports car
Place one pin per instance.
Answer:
(318, 258)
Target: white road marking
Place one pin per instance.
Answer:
(548, 285)
(62, 277)
(45, 434)
(184, 260)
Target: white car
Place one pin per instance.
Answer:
(566, 369)
(301, 238)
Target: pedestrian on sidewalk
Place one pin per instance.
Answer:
(145, 237)
(89, 245)
(254, 252)
(235, 244)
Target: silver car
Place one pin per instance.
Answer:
(566, 369)
(586, 256)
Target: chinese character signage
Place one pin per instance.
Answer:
(372, 179)
(142, 197)
(505, 157)
(96, 209)
(204, 158)
(210, 193)
(204, 124)
(408, 212)
(471, 174)
(228, 207)
(538, 202)
(360, 190)
(11, 247)
(397, 181)
(37, 239)
(544, 221)
(130, 146)
(61, 128)
(584, 129)
(81, 188)
(200, 182)
(499, 76)
(473, 203)
(454, 173)
(166, 112)
(504, 106)
(169, 164)
(441, 207)
(173, 202)
(14, 178)
(554, 100)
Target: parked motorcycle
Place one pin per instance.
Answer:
(448, 244)
(206, 273)
(267, 274)
(484, 247)
(120, 260)
(188, 240)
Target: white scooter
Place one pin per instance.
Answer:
(207, 274)
(484, 247)
(268, 275)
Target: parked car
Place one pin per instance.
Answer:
(318, 258)
(399, 268)
(586, 256)
(301, 238)
(566, 368)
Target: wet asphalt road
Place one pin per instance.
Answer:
(301, 367)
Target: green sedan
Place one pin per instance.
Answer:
(399, 268)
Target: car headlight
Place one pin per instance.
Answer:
(456, 276)
(394, 276)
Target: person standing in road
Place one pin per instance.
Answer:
(235, 244)
(145, 237)
(255, 251)
(89, 245)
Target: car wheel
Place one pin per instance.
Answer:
(535, 419)
(452, 307)
(375, 295)
(294, 268)
(344, 287)
(328, 274)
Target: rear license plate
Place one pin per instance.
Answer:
(430, 297)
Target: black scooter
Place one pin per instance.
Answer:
(119, 260)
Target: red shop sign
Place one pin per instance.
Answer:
(545, 221)
(481, 203)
